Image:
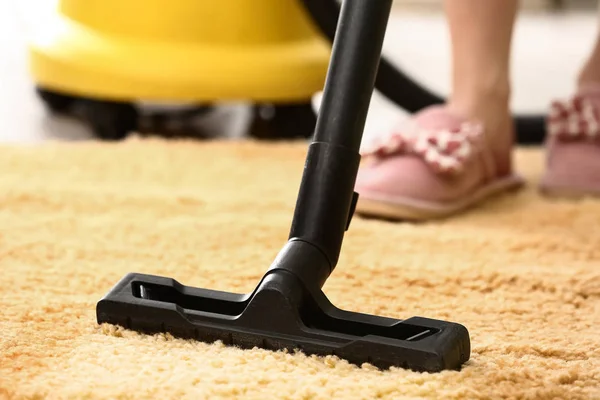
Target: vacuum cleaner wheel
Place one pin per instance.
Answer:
(283, 121)
(54, 101)
(110, 120)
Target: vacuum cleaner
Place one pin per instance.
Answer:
(288, 309)
(106, 61)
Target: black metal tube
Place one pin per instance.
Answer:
(327, 187)
(352, 71)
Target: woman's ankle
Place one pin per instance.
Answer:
(588, 78)
(492, 110)
(589, 75)
(474, 98)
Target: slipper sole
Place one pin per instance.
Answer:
(567, 193)
(370, 205)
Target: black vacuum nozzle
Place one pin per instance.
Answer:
(284, 312)
(288, 309)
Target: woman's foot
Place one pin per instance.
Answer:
(441, 162)
(573, 146)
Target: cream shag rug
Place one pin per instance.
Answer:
(521, 273)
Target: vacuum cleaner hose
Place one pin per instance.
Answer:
(399, 88)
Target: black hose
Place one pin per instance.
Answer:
(399, 88)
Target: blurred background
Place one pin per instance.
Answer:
(552, 38)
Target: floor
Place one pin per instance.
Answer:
(548, 49)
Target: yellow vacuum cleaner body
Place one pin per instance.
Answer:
(198, 51)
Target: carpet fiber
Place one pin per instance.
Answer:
(521, 273)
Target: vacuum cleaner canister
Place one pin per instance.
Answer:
(180, 50)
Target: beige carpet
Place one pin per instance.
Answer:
(522, 273)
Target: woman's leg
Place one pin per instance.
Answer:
(481, 34)
(590, 72)
(406, 181)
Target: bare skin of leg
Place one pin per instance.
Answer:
(590, 73)
(481, 33)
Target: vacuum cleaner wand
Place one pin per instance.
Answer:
(288, 310)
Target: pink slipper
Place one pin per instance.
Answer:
(435, 167)
(573, 146)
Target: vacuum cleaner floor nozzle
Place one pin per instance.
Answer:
(283, 314)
